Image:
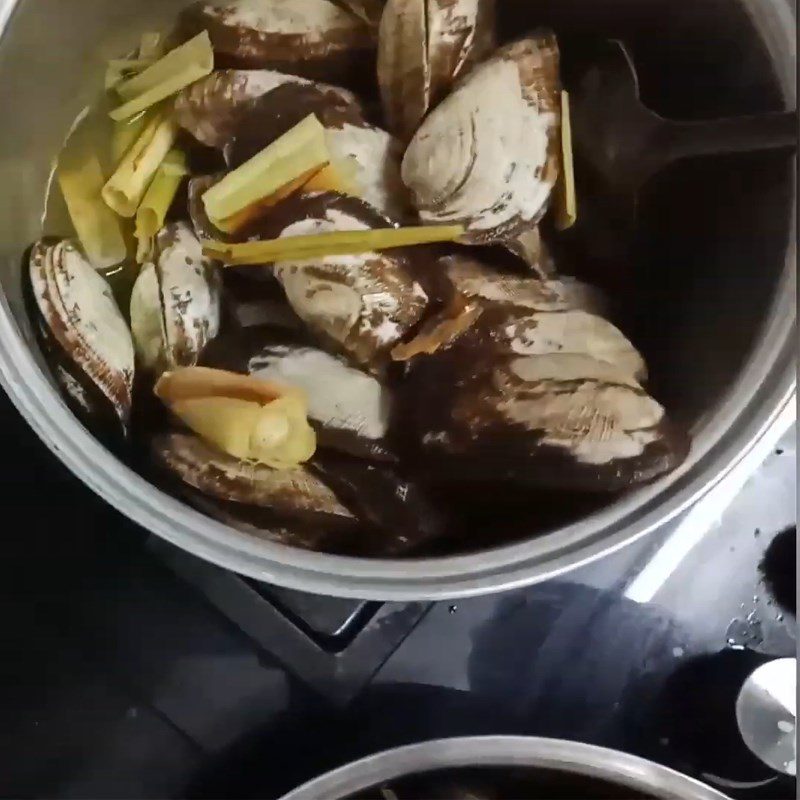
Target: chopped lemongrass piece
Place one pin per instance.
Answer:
(120, 69)
(335, 243)
(99, 230)
(126, 187)
(566, 197)
(255, 210)
(126, 133)
(299, 151)
(177, 69)
(151, 45)
(156, 202)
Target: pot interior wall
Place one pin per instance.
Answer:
(714, 232)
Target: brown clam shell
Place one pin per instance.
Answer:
(295, 493)
(175, 303)
(375, 153)
(488, 155)
(86, 334)
(560, 421)
(424, 46)
(348, 409)
(312, 38)
(210, 108)
(360, 305)
(404, 519)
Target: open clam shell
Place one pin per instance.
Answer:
(295, 494)
(175, 303)
(487, 155)
(86, 336)
(424, 46)
(313, 38)
(361, 305)
(209, 109)
(374, 153)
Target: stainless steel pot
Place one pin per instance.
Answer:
(607, 769)
(723, 343)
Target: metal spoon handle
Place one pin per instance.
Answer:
(678, 140)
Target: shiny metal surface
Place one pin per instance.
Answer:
(766, 712)
(729, 370)
(628, 772)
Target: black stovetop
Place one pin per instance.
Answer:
(133, 670)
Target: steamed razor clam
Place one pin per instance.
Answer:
(373, 154)
(292, 493)
(85, 335)
(424, 46)
(175, 303)
(488, 155)
(562, 421)
(361, 305)
(312, 38)
(209, 109)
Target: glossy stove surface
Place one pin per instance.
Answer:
(133, 670)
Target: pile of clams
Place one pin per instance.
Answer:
(328, 341)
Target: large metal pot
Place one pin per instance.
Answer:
(570, 769)
(719, 326)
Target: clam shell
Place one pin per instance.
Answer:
(424, 46)
(202, 225)
(175, 303)
(313, 38)
(487, 155)
(360, 304)
(403, 68)
(563, 421)
(526, 316)
(403, 516)
(530, 247)
(262, 523)
(560, 332)
(87, 333)
(350, 409)
(295, 493)
(376, 153)
(210, 108)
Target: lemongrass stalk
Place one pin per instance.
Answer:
(125, 189)
(80, 177)
(178, 68)
(152, 212)
(125, 134)
(300, 150)
(120, 69)
(566, 196)
(335, 243)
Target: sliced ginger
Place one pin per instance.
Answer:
(245, 417)
(458, 318)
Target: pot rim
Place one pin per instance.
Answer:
(614, 766)
(762, 391)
